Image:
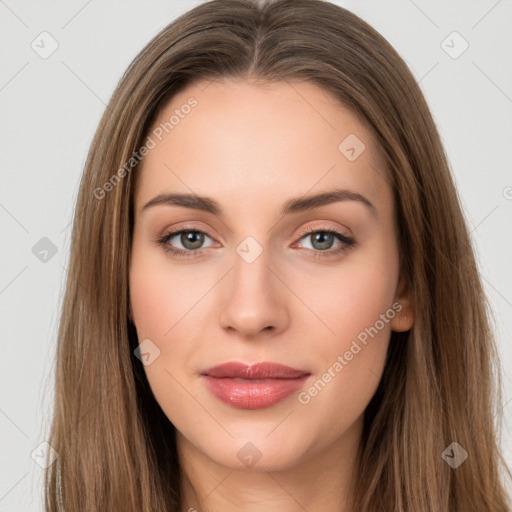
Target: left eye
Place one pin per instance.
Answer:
(323, 240)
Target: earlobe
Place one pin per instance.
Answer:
(402, 322)
(404, 319)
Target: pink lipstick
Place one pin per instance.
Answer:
(253, 386)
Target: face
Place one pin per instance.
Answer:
(260, 272)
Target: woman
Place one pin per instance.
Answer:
(272, 299)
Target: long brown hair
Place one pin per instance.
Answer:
(441, 382)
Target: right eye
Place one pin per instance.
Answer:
(191, 241)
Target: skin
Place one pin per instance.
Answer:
(251, 147)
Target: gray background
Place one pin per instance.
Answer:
(51, 107)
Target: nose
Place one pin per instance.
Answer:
(255, 299)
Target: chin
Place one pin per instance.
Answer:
(256, 451)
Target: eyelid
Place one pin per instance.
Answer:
(345, 239)
(172, 232)
(307, 230)
(323, 227)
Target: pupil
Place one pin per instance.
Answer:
(192, 239)
(320, 237)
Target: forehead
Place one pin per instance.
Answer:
(240, 140)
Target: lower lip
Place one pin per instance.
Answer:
(252, 394)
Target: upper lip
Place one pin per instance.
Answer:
(263, 370)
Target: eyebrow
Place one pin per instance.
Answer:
(293, 205)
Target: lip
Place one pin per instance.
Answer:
(253, 386)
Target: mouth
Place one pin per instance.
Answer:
(253, 386)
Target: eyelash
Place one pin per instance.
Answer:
(347, 242)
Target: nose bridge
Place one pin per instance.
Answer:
(251, 265)
(253, 301)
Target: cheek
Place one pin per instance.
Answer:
(152, 299)
(163, 312)
(161, 297)
(357, 307)
(168, 309)
(357, 293)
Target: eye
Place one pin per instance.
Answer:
(191, 241)
(323, 239)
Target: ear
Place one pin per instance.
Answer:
(404, 319)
